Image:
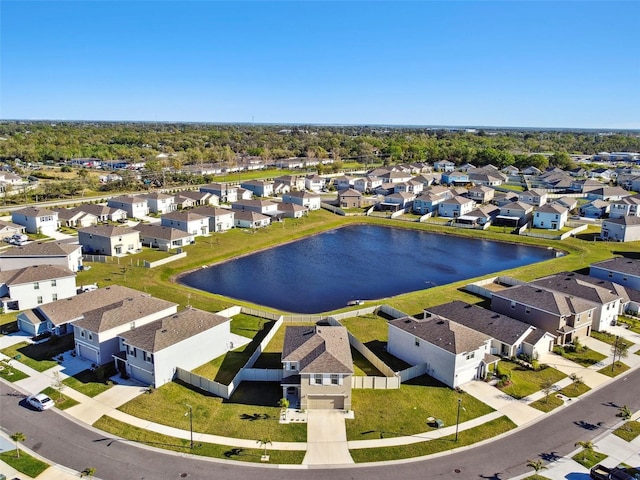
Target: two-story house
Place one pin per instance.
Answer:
(534, 197)
(109, 240)
(220, 219)
(35, 285)
(455, 207)
(163, 238)
(136, 207)
(551, 216)
(225, 192)
(349, 198)
(304, 199)
(36, 220)
(150, 353)
(625, 207)
(259, 188)
(66, 255)
(317, 367)
(160, 202)
(264, 207)
(187, 221)
(624, 229)
(621, 270)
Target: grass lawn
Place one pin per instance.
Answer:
(574, 390)
(87, 382)
(465, 437)
(536, 477)
(251, 412)
(610, 338)
(11, 374)
(62, 401)
(39, 357)
(588, 458)
(224, 368)
(8, 323)
(629, 431)
(362, 366)
(547, 403)
(585, 357)
(404, 411)
(634, 323)
(25, 464)
(617, 369)
(158, 440)
(524, 382)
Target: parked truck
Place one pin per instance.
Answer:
(600, 472)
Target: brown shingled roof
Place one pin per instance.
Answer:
(318, 349)
(34, 273)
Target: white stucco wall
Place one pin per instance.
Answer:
(27, 294)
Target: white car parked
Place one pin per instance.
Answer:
(40, 401)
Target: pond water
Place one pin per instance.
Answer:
(364, 262)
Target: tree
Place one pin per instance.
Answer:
(57, 384)
(625, 412)
(547, 388)
(18, 437)
(263, 443)
(619, 350)
(561, 160)
(587, 447)
(537, 465)
(283, 403)
(577, 381)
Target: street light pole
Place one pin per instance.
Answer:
(458, 418)
(190, 413)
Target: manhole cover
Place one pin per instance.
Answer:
(457, 470)
(183, 475)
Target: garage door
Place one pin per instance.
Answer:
(88, 353)
(326, 402)
(142, 375)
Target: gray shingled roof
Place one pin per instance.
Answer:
(442, 332)
(318, 349)
(42, 249)
(183, 216)
(35, 212)
(107, 231)
(70, 309)
(159, 231)
(249, 216)
(623, 220)
(35, 273)
(505, 329)
(570, 283)
(622, 265)
(547, 300)
(212, 211)
(167, 331)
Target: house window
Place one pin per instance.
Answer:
(36, 285)
(82, 333)
(610, 274)
(527, 310)
(471, 355)
(54, 283)
(417, 342)
(624, 279)
(292, 366)
(317, 379)
(334, 379)
(54, 297)
(39, 300)
(513, 304)
(90, 336)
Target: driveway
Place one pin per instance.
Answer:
(326, 438)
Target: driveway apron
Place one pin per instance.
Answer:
(326, 438)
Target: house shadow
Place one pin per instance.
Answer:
(632, 255)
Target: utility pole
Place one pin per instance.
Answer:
(615, 351)
(190, 413)
(458, 418)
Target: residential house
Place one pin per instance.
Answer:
(248, 219)
(428, 202)
(136, 207)
(395, 176)
(606, 302)
(467, 167)
(164, 238)
(96, 329)
(200, 198)
(486, 179)
(183, 203)
(294, 182)
(36, 220)
(35, 285)
(625, 207)
(454, 178)
(514, 214)
(426, 180)
(226, 193)
(109, 240)
(482, 215)
(315, 183)
(220, 219)
(605, 174)
(444, 166)
(397, 201)
(585, 185)
(481, 194)
(455, 207)
(264, 207)
(510, 170)
(531, 171)
(502, 199)
(8, 229)
(349, 198)
(244, 194)
(318, 367)
(412, 186)
(595, 209)
(103, 213)
(305, 199)
(621, 270)
(453, 353)
(509, 337)
(608, 194)
(66, 255)
(569, 203)
(150, 353)
(188, 221)
(343, 182)
(534, 197)
(550, 216)
(292, 210)
(160, 202)
(560, 314)
(75, 218)
(259, 188)
(625, 229)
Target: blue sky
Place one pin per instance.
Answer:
(508, 63)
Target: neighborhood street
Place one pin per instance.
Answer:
(55, 436)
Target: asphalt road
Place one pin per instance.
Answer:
(56, 437)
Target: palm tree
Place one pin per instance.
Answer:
(88, 472)
(18, 437)
(587, 447)
(537, 465)
(625, 412)
(263, 443)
